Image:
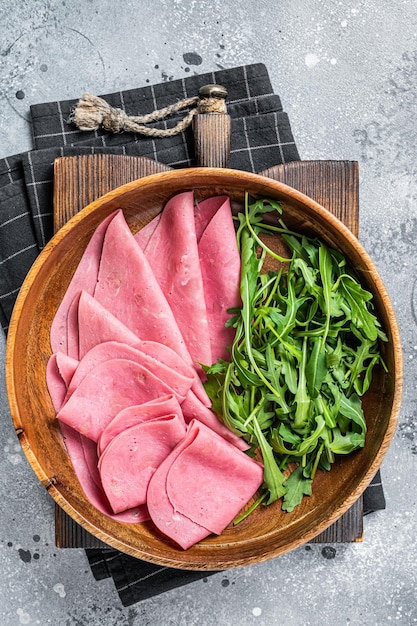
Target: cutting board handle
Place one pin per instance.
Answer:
(212, 130)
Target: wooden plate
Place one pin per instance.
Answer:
(268, 532)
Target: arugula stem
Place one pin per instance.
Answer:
(274, 290)
(317, 460)
(252, 414)
(258, 240)
(289, 347)
(244, 515)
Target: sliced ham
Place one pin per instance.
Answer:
(173, 256)
(132, 457)
(96, 325)
(128, 289)
(59, 372)
(210, 480)
(140, 315)
(204, 212)
(220, 268)
(166, 355)
(177, 382)
(107, 389)
(91, 486)
(144, 234)
(66, 366)
(85, 277)
(201, 486)
(91, 458)
(72, 328)
(132, 415)
(177, 527)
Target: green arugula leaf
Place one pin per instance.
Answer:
(345, 443)
(316, 369)
(273, 477)
(356, 298)
(352, 409)
(297, 487)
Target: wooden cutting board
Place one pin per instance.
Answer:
(78, 180)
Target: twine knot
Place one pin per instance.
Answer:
(92, 112)
(114, 120)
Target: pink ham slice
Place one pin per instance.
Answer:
(128, 289)
(220, 268)
(85, 277)
(106, 390)
(91, 486)
(103, 304)
(204, 211)
(132, 457)
(91, 459)
(191, 408)
(178, 383)
(173, 256)
(144, 234)
(181, 529)
(83, 452)
(59, 372)
(210, 481)
(166, 355)
(96, 325)
(72, 329)
(178, 491)
(132, 415)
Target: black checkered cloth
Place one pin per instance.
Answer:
(261, 138)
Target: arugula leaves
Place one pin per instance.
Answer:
(306, 342)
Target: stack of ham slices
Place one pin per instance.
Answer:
(139, 317)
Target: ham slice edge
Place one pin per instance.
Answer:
(210, 481)
(132, 457)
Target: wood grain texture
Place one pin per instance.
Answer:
(212, 139)
(347, 529)
(268, 532)
(333, 184)
(78, 180)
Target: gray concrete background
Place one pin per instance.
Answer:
(347, 75)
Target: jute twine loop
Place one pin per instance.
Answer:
(91, 112)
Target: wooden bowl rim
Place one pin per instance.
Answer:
(186, 175)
